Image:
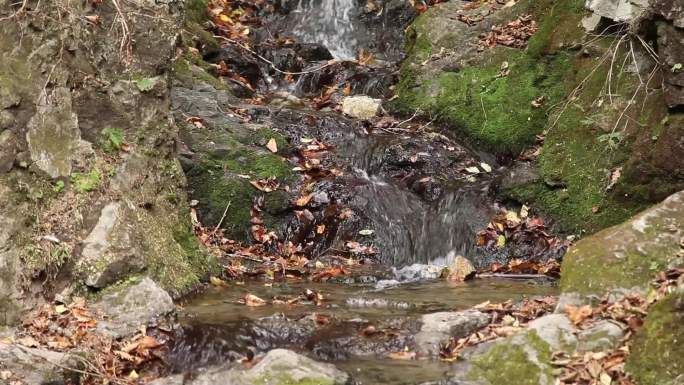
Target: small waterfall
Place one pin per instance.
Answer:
(328, 22)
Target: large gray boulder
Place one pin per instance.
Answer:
(625, 256)
(278, 367)
(525, 357)
(111, 251)
(129, 308)
(437, 328)
(30, 366)
(618, 10)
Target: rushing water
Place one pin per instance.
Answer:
(328, 22)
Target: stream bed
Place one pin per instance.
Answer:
(412, 201)
(355, 327)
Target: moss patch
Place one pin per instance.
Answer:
(510, 361)
(175, 258)
(627, 255)
(495, 112)
(658, 348)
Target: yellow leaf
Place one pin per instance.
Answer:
(217, 281)
(224, 18)
(133, 375)
(59, 309)
(253, 300)
(272, 145)
(501, 241)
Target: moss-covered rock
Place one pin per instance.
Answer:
(220, 174)
(447, 76)
(521, 359)
(627, 255)
(525, 357)
(598, 164)
(658, 348)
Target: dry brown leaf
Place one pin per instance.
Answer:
(577, 314)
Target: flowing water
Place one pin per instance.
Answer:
(330, 23)
(412, 232)
(217, 327)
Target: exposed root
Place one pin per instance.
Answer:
(126, 44)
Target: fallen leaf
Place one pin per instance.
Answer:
(366, 232)
(577, 314)
(272, 145)
(405, 355)
(304, 200)
(217, 281)
(253, 300)
(486, 167)
(29, 342)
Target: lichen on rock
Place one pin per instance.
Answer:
(625, 256)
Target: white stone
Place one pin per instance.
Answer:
(361, 107)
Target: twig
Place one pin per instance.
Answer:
(15, 14)
(222, 218)
(125, 48)
(328, 64)
(409, 119)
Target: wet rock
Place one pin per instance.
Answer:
(624, 256)
(111, 250)
(239, 60)
(361, 107)
(128, 308)
(439, 327)
(8, 150)
(279, 366)
(313, 52)
(518, 175)
(460, 269)
(31, 366)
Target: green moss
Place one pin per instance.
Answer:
(86, 182)
(498, 112)
(519, 362)
(190, 68)
(558, 26)
(177, 263)
(196, 11)
(494, 112)
(658, 348)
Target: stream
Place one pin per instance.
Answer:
(408, 188)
